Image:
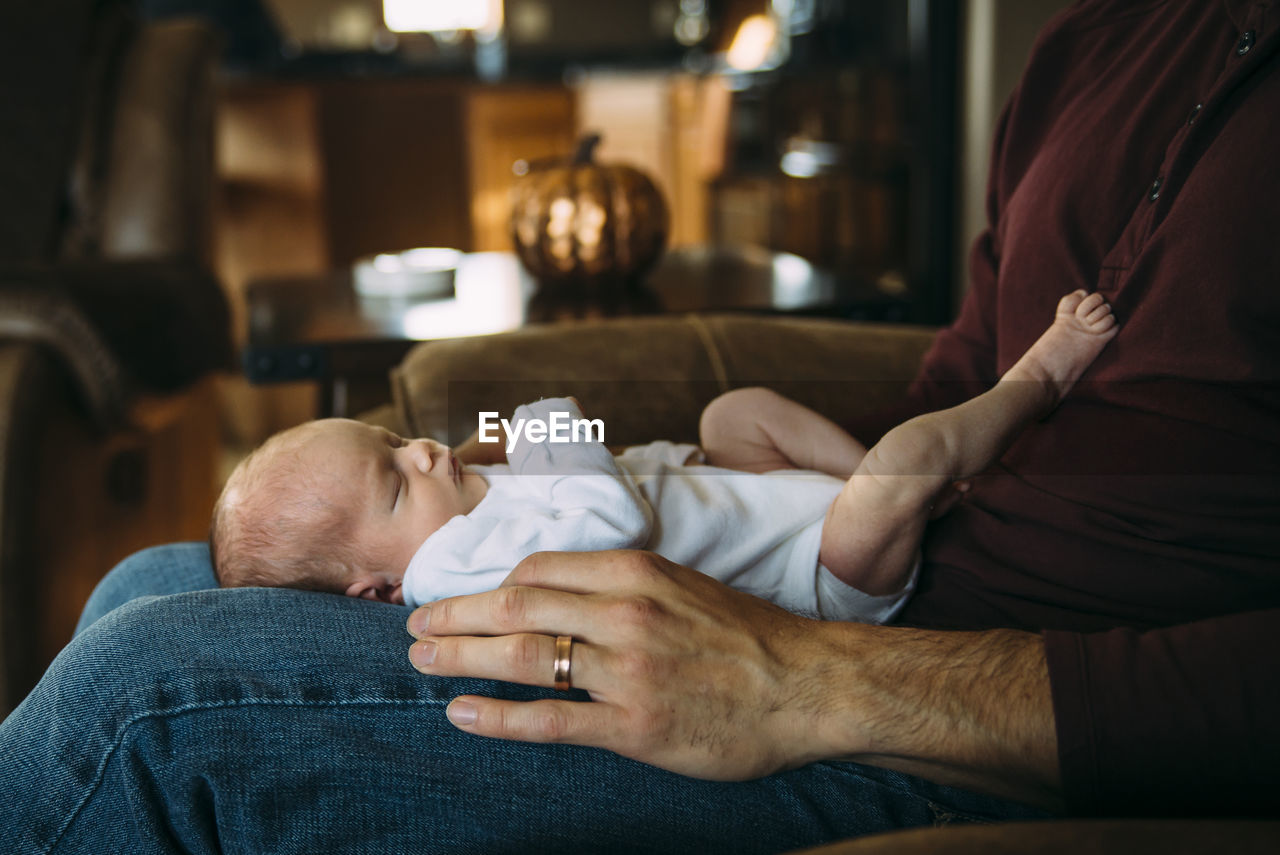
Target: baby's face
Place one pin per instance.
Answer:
(400, 491)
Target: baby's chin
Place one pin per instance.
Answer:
(473, 486)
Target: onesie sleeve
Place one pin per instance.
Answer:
(562, 496)
(595, 504)
(655, 455)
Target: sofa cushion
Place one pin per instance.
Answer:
(650, 378)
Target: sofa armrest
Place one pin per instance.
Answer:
(44, 318)
(649, 378)
(121, 327)
(29, 388)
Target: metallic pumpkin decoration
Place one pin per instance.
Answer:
(580, 221)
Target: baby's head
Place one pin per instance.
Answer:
(336, 505)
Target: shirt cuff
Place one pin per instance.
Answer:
(1069, 684)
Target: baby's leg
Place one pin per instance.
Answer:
(873, 528)
(757, 430)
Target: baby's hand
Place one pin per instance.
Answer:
(948, 499)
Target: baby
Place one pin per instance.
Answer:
(789, 507)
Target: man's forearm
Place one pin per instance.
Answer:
(692, 676)
(969, 709)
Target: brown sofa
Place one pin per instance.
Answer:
(649, 379)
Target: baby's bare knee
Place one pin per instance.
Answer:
(728, 414)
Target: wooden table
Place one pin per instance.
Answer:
(317, 328)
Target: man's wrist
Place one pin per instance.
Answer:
(842, 728)
(820, 715)
(970, 709)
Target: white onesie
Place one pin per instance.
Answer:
(756, 532)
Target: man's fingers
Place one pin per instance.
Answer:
(534, 601)
(526, 658)
(505, 611)
(578, 722)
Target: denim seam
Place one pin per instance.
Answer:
(894, 787)
(888, 785)
(100, 774)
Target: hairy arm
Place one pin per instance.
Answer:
(692, 676)
(969, 709)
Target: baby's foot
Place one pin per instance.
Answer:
(1081, 328)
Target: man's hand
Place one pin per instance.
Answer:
(692, 676)
(686, 674)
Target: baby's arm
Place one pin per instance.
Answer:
(757, 430)
(594, 505)
(581, 501)
(472, 450)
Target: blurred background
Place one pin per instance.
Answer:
(164, 161)
(853, 133)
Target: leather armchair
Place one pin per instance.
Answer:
(110, 321)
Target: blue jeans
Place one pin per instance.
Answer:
(258, 720)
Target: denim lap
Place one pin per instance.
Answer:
(270, 720)
(172, 568)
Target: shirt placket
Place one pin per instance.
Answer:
(1246, 56)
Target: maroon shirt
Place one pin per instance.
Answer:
(1138, 526)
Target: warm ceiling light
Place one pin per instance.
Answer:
(753, 43)
(417, 16)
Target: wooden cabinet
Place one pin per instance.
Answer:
(334, 170)
(672, 125)
(501, 126)
(317, 173)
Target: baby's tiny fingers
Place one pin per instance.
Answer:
(1090, 303)
(949, 498)
(1098, 313)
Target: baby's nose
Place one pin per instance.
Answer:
(421, 453)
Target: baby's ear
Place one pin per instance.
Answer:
(371, 588)
(362, 589)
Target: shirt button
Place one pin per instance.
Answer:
(1195, 111)
(1245, 43)
(1155, 189)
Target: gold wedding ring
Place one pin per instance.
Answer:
(564, 657)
